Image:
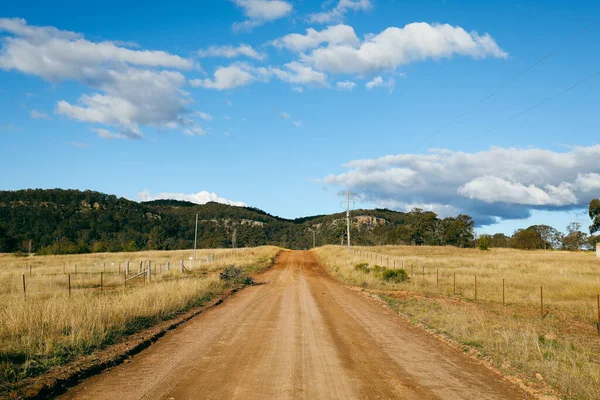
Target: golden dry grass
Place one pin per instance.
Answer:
(563, 347)
(50, 327)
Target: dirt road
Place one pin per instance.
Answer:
(300, 335)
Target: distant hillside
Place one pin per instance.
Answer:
(71, 221)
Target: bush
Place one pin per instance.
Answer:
(483, 243)
(236, 275)
(378, 270)
(363, 267)
(395, 275)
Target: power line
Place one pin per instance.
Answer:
(510, 81)
(545, 101)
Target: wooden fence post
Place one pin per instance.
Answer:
(542, 300)
(24, 288)
(437, 277)
(101, 281)
(29, 269)
(75, 268)
(475, 287)
(149, 271)
(125, 280)
(598, 298)
(503, 302)
(455, 283)
(69, 285)
(168, 266)
(126, 269)
(181, 265)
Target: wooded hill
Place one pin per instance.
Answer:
(71, 221)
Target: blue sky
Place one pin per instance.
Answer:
(282, 104)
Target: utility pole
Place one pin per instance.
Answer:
(313, 235)
(195, 238)
(348, 194)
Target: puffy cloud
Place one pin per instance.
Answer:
(497, 183)
(230, 77)
(399, 46)
(285, 115)
(201, 197)
(194, 131)
(232, 52)
(132, 87)
(297, 124)
(297, 73)
(35, 114)
(337, 13)
(345, 85)
(108, 135)
(260, 11)
(338, 34)
(204, 116)
(379, 82)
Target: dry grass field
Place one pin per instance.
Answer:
(48, 326)
(557, 347)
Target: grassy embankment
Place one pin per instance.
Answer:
(561, 349)
(51, 328)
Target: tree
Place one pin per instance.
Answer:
(551, 238)
(500, 240)
(156, 239)
(574, 239)
(526, 239)
(594, 212)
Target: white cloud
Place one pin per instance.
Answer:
(201, 197)
(108, 135)
(345, 85)
(297, 73)
(204, 116)
(337, 13)
(194, 131)
(379, 82)
(232, 52)
(338, 34)
(233, 76)
(497, 183)
(132, 88)
(35, 114)
(297, 124)
(298, 89)
(285, 115)
(260, 11)
(399, 46)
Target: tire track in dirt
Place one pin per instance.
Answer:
(300, 335)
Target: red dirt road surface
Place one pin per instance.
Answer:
(299, 336)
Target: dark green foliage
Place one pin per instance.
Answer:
(378, 270)
(594, 213)
(236, 275)
(526, 239)
(483, 243)
(395, 275)
(364, 267)
(72, 221)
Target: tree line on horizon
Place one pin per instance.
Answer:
(57, 221)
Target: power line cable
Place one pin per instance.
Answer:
(510, 81)
(545, 101)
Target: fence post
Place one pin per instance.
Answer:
(69, 285)
(168, 266)
(542, 300)
(140, 267)
(503, 303)
(125, 280)
(181, 265)
(126, 268)
(25, 289)
(455, 283)
(394, 264)
(101, 281)
(29, 269)
(598, 298)
(475, 287)
(149, 271)
(75, 268)
(437, 277)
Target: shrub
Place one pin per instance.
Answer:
(378, 270)
(236, 275)
(483, 243)
(364, 267)
(395, 275)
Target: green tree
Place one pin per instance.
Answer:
(526, 239)
(574, 239)
(157, 238)
(594, 213)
